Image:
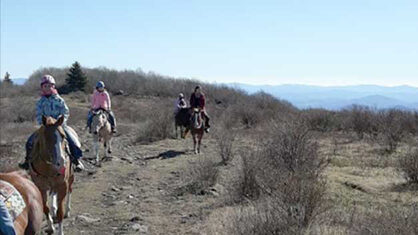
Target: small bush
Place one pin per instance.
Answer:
(409, 165)
(158, 126)
(225, 142)
(362, 120)
(200, 175)
(320, 119)
(391, 128)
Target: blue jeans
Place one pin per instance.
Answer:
(6, 222)
(76, 152)
(111, 118)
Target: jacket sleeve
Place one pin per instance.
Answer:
(203, 101)
(65, 111)
(39, 112)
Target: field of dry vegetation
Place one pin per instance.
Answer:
(266, 167)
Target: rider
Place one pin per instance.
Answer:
(180, 103)
(197, 100)
(53, 105)
(101, 100)
(6, 222)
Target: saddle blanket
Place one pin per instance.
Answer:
(12, 198)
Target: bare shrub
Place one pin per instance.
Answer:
(391, 129)
(249, 187)
(261, 108)
(320, 119)
(18, 109)
(199, 175)
(158, 126)
(362, 120)
(409, 165)
(225, 138)
(285, 176)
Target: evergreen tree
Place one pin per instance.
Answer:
(76, 79)
(7, 79)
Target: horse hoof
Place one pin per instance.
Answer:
(49, 231)
(67, 215)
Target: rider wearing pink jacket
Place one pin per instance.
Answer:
(101, 100)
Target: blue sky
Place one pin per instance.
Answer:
(256, 42)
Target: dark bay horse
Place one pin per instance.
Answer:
(51, 169)
(182, 120)
(29, 220)
(196, 127)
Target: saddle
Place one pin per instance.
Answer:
(12, 198)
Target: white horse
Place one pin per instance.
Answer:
(102, 132)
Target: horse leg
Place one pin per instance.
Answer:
(68, 203)
(199, 142)
(96, 149)
(105, 144)
(53, 204)
(109, 145)
(50, 229)
(62, 191)
(194, 143)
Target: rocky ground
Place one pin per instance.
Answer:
(136, 192)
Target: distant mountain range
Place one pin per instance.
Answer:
(338, 97)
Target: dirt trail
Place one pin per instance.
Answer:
(135, 192)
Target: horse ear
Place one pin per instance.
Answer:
(60, 121)
(43, 120)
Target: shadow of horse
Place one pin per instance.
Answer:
(166, 155)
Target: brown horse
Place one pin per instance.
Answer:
(102, 132)
(197, 128)
(29, 220)
(51, 169)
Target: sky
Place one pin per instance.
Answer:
(256, 42)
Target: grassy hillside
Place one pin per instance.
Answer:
(266, 167)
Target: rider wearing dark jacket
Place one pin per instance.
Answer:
(198, 100)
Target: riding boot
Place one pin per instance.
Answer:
(78, 165)
(112, 121)
(24, 165)
(207, 126)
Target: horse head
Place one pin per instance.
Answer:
(52, 142)
(99, 120)
(197, 121)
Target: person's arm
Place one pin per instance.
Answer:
(203, 101)
(65, 111)
(39, 112)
